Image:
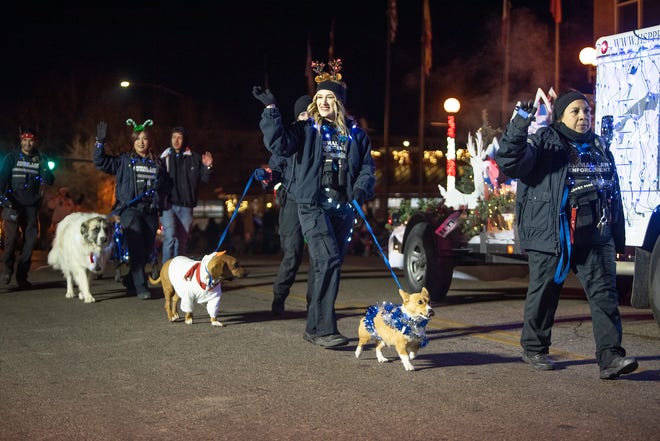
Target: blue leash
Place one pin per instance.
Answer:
(131, 202)
(565, 239)
(387, 262)
(233, 216)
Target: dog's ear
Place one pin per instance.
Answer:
(404, 295)
(425, 292)
(84, 228)
(220, 253)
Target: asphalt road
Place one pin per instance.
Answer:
(118, 370)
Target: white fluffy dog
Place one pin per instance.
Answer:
(81, 247)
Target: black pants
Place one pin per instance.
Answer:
(593, 262)
(26, 219)
(292, 244)
(326, 229)
(140, 232)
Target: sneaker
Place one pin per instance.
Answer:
(6, 278)
(330, 341)
(542, 362)
(144, 295)
(309, 337)
(618, 366)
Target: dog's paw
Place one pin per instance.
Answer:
(358, 351)
(189, 321)
(89, 299)
(216, 323)
(411, 355)
(409, 367)
(69, 295)
(175, 316)
(381, 358)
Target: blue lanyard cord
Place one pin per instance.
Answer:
(565, 240)
(387, 262)
(233, 216)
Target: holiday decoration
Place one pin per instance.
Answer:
(334, 66)
(139, 127)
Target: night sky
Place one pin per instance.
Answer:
(217, 53)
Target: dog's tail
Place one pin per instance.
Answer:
(153, 281)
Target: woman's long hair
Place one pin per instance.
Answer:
(150, 151)
(340, 115)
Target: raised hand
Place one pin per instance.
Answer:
(523, 114)
(265, 96)
(101, 131)
(207, 159)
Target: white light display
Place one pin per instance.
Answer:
(627, 90)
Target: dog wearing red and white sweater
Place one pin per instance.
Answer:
(196, 281)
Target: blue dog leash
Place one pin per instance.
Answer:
(233, 216)
(387, 262)
(564, 264)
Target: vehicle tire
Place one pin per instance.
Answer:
(422, 265)
(654, 281)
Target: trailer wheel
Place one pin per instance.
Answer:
(422, 265)
(654, 281)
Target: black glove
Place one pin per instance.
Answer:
(265, 96)
(360, 196)
(101, 131)
(523, 115)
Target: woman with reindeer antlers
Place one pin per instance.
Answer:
(141, 181)
(333, 166)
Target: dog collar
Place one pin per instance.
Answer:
(395, 318)
(195, 270)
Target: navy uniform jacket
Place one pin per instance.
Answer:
(540, 163)
(21, 177)
(305, 140)
(123, 167)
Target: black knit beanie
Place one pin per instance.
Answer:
(301, 105)
(336, 87)
(562, 102)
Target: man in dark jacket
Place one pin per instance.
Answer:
(22, 174)
(291, 238)
(186, 169)
(569, 215)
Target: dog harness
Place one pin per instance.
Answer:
(396, 318)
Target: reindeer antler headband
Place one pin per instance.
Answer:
(139, 127)
(334, 66)
(330, 80)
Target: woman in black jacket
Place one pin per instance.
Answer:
(332, 167)
(141, 182)
(569, 215)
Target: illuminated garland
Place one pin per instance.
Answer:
(395, 318)
(489, 210)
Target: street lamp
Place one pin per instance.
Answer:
(451, 106)
(587, 57)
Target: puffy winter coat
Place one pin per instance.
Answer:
(540, 163)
